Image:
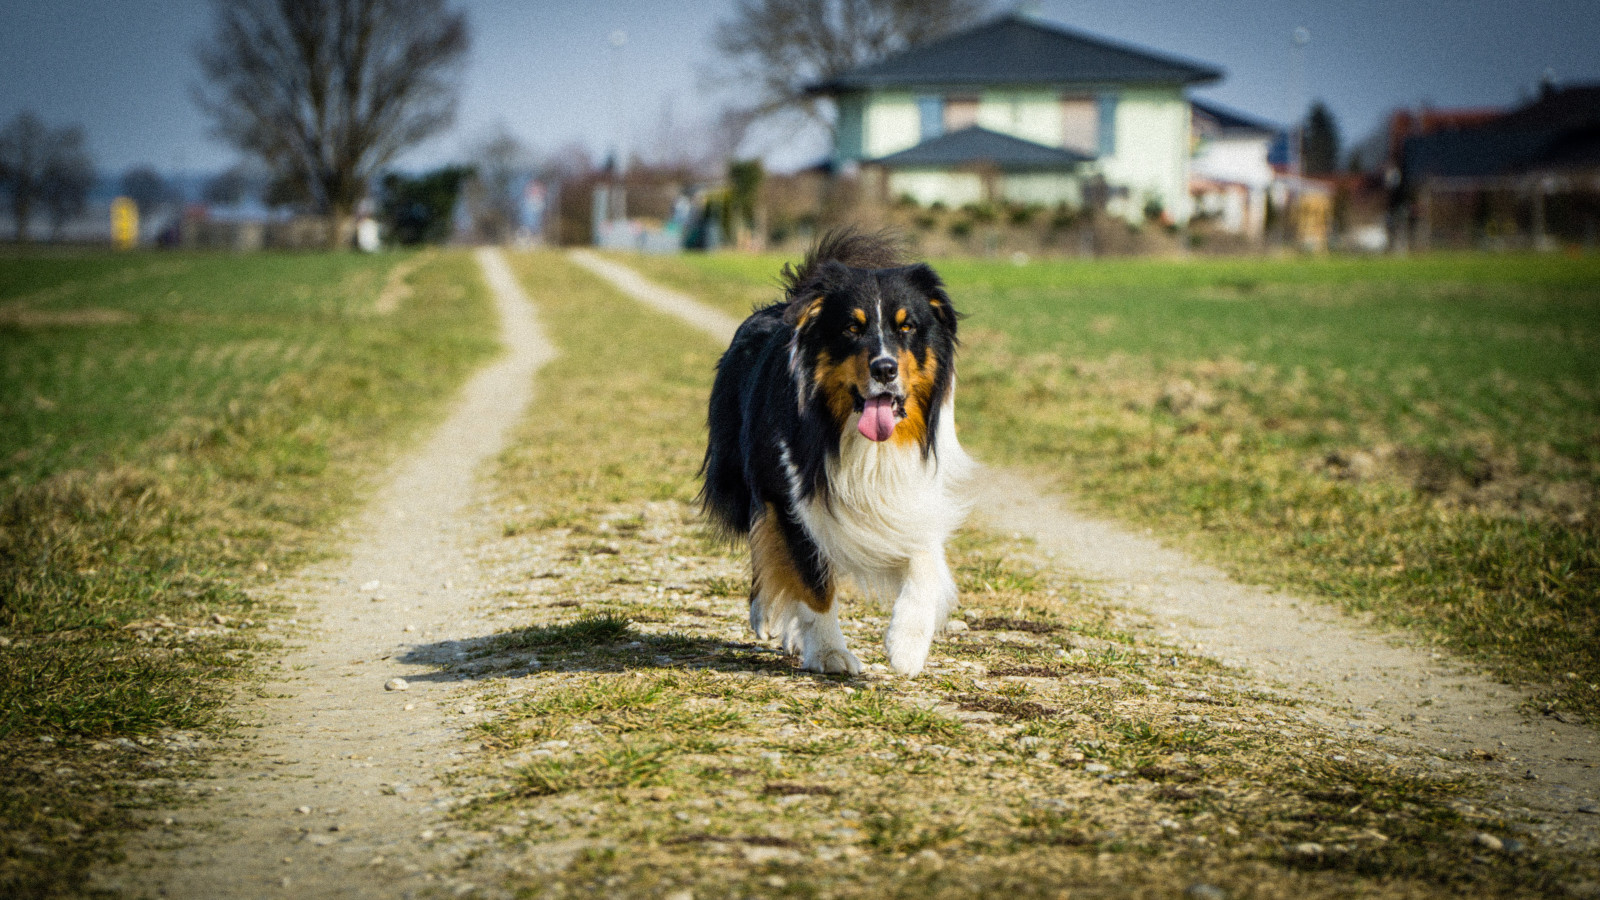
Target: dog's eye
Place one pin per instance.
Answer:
(907, 328)
(855, 328)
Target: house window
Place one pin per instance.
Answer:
(1080, 125)
(1108, 123)
(930, 113)
(960, 112)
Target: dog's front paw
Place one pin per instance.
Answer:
(832, 661)
(908, 653)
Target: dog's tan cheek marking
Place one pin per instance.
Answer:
(773, 570)
(833, 380)
(919, 377)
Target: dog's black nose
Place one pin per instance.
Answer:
(884, 368)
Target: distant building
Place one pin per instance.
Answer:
(1025, 111)
(1529, 175)
(1229, 171)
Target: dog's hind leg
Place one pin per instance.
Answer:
(926, 597)
(792, 596)
(775, 587)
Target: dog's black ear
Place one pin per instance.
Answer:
(930, 285)
(801, 313)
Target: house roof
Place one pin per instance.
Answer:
(1559, 130)
(1018, 50)
(980, 145)
(1232, 121)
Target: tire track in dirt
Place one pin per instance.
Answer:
(339, 794)
(1361, 681)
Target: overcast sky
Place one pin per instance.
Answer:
(124, 68)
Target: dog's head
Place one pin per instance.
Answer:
(875, 346)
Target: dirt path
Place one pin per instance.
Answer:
(339, 794)
(1363, 681)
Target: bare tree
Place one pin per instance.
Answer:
(326, 93)
(68, 175)
(43, 165)
(146, 188)
(783, 46)
(230, 186)
(501, 164)
(568, 162)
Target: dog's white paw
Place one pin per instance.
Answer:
(908, 653)
(831, 661)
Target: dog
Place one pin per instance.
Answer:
(832, 448)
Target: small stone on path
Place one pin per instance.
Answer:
(371, 586)
(396, 684)
(1488, 841)
(1205, 892)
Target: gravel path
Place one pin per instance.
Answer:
(338, 795)
(1361, 680)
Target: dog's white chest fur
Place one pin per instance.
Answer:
(888, 504)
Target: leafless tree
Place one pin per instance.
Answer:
(500, 164)
(782, 46)
(146, 188)
(43, 165)
(567, 162)
(68, 175)
(230, 186)
(328, 92)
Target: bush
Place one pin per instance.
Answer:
(980, 213)
(1022, 214)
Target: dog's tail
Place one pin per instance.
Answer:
(855, 248)
(725, 494)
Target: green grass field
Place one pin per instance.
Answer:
(177, 429)
(1417, 438)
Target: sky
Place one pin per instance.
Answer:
(551, 73)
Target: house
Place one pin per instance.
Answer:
(1230, 174)
(1528, 175)
(1022, 110)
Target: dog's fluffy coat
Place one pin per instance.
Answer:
(833, 447)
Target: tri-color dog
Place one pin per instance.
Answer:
(833, 447)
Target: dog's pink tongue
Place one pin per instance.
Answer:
(877, 420)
